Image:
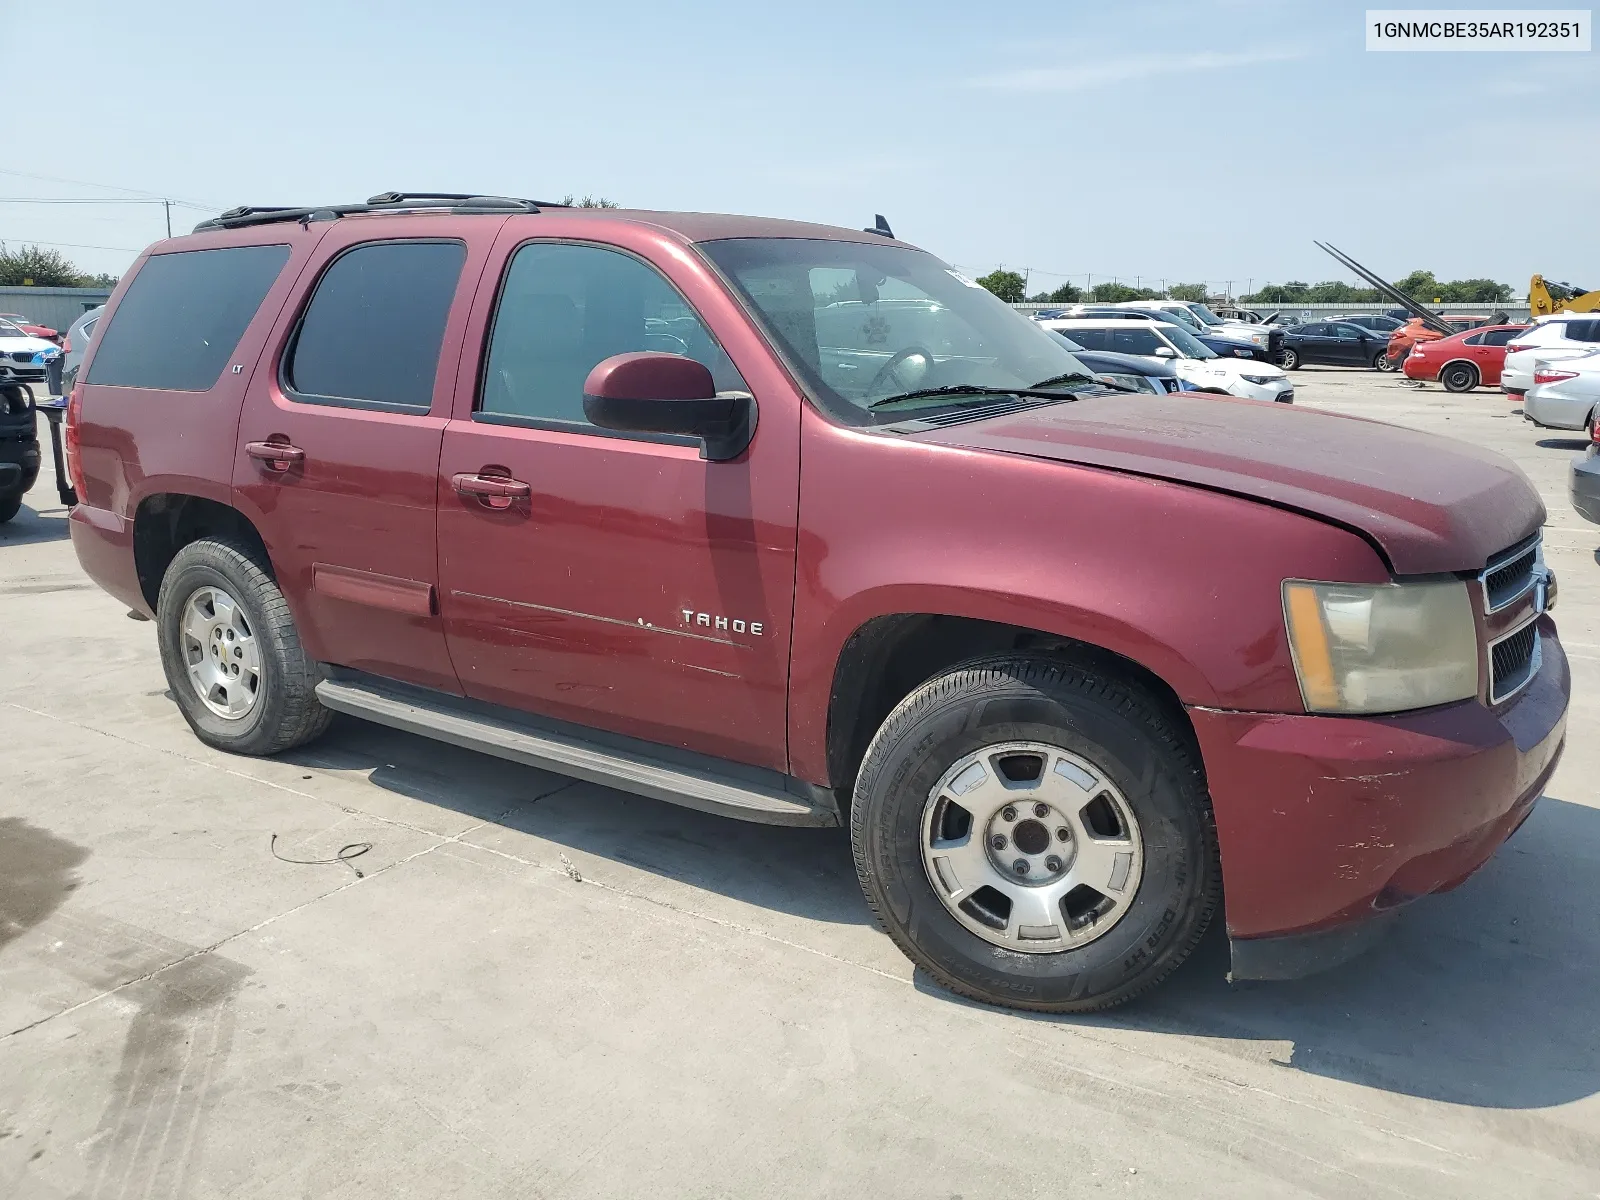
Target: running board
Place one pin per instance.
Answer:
(623, 763)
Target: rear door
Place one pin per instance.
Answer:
(1313, 342)
(1490, 353)
(628, 584)
(339, 438)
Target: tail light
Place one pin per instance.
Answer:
(73, 438)
(1549, 376)
(1513, 347)
(66, 344)
(1594, 434)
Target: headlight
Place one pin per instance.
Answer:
(1259, 378)
(1361, 648)
(1258, 339)
(1137, 383)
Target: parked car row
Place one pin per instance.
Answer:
(24, 357)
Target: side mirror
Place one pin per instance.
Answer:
(1165, 352)
(651, 392)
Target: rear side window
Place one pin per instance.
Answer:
(371, 335)
(1090, 339)
(1499, 337)
(183, 315)
(1583, 331)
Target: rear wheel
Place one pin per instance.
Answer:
(1289, 359)
(1459, 377)
(1036, 833)
(1382, 362)
(10, 506)
(232, 656)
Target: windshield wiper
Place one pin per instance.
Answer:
(973, 389)
(1071, 375)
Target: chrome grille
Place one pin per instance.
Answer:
(1510, 574)
(1514, 660)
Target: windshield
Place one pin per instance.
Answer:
(862, 322)
(7, 329)
(1178, 316)
(1188, 345)
(1204, 315)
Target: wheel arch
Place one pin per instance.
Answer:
(1461, 362)
(165, 522)
(889, 656)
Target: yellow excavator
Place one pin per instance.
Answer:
(1547, 296)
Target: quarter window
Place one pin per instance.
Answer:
(183, 315)
(565, 308)
(372, 332)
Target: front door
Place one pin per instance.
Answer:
(616, 581)
(339, 441)
(1353, 345)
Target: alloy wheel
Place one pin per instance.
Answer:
(220, 653)
(1031, 847)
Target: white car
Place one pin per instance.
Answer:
(1202, 318)
(1196, 364)
(1565, 335)
(1565, 394)
(23, 357)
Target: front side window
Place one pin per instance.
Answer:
(563, 309)
(371, 335)
(1347, 331)
(1187, 344)
(183, 315)
(868, 323)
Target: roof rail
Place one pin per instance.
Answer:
(450, 202)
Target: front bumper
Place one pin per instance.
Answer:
(1326, 824)
(1584, 487)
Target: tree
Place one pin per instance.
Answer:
(589, 202)
(37, 266)
(1188, 291)
(1008, 285)
(1065, 294)
(1116, 293)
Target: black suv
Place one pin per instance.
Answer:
(19, 448)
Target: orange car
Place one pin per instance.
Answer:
(1414, 331)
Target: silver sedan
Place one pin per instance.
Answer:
(1565, 393)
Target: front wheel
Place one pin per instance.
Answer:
(1036, 833)
(232, 655)
(1459, 377)
(1289, 360)
(10, 506)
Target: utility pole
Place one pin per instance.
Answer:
(167, 204)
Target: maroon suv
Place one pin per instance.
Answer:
(799, 525)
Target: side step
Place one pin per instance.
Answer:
(731, 790)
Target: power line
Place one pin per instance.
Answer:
(110, 187)
(103, 200)
(26, 241)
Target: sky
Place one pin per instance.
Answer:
(1143, 140)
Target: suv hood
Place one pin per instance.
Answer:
(1431, 504)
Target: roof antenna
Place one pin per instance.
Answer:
(880, 227)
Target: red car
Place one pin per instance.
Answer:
(32, 330)
(799, 525)
(1463, 361)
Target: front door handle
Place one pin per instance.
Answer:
(494, 491)
(276, 456)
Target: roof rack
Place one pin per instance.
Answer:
(449, 202)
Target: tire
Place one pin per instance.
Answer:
(1289, 360)
(10, 506)
(1382, 362)
(1097, 725)
(281, 710)
(1459, 377)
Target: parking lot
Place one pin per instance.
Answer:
(530, 986)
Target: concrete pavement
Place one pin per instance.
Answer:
(536, 987)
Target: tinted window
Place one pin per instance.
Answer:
(1089, 339)
(372, 332)
(1135, 339)
(1475, 339)
(1347, 331)
(1499, 337)
(183, 315)
(564, 309)
(1584, 331)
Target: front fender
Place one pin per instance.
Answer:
(1184, 581)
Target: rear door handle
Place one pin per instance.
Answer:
(275, 456)
(494, 491)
